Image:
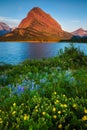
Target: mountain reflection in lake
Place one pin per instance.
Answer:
(17, 52)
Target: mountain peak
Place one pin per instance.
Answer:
(80, 29)
(38, 26)
(35, 10)
(4, 28)
(80, 32)
(37, 15)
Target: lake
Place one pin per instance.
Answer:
(17, 52)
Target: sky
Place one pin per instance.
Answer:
(70, 14)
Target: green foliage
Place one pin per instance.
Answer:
(73, 57)
(46, 94)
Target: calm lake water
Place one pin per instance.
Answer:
(16, 52)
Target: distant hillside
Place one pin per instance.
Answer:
(37, 26)
(80, 32)
(4, 28)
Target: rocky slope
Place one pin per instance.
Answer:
(37, 26)
(4, 28)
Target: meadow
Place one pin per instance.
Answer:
(46, 94)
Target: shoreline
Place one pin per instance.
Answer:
(33, 41)
(68, 41)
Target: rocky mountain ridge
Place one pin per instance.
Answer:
(80, 32)
(4, 28)
(37, 26)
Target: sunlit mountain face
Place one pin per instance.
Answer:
(38, 26)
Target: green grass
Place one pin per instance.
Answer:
(46, 94)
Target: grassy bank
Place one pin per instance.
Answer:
(46, 94)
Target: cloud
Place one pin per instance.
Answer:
(10, 21)
(75, 21)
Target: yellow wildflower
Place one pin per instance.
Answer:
(84, 118)
(1, 121)
(65, 105)
(43, 113)
(36, 110)
(57, 101)
(22, 104)
(59, 112)
(26, 117)
(54, 109)
(60, 126)
(85, 111)
(64, 110)
(61, 105)
(14, 112)
(14, 104)
(36, 107)
(54, 116)
(69, 98)
(74, 105)
(55, 93)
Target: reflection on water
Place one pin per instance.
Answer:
(16, 52)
